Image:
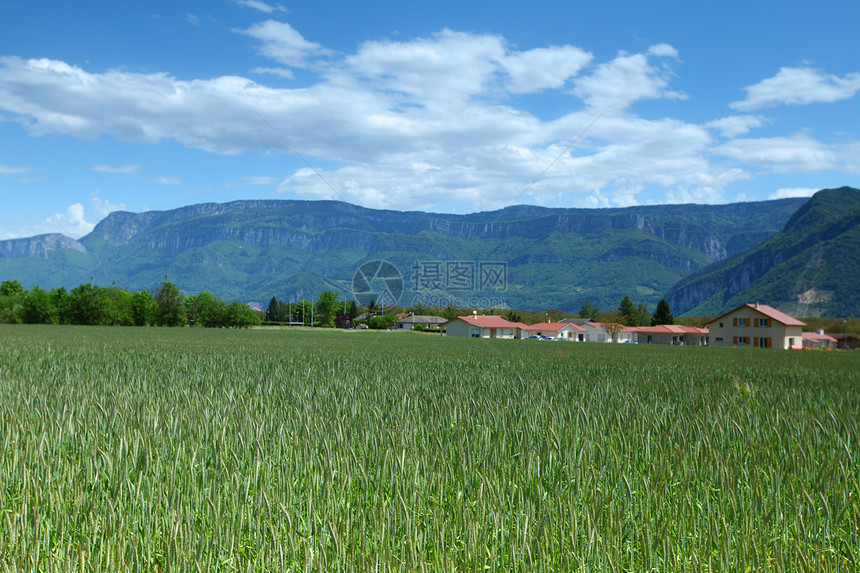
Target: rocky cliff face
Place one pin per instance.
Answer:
(38, 247)
(806, 267)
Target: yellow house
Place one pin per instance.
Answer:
(756, 326)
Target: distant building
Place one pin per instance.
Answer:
(673, 334)
(757, 326)
(483, 326)
(410, 321)
(562, 330)
(819, 340)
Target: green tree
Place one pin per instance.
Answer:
(326, 307)
(38, 308)
(627, 311)
(61, 300)
(118, 306)
(302, 311)
(352, 310)
(663, 314)
(142, 308)
(450, 312)
(382, 322)
(587, 310)
(513, 316)
(87, 305)
(11, 288)
(169, 305)
(11, 297)
(643, 317)
(240, 315)
(207, 310)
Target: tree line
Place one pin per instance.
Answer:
(89, 304)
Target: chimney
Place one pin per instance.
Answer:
(756, 305)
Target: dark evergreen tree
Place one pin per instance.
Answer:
(663, 314)
(628, 312)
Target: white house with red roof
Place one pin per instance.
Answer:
(756, 326)
(483, 326)
(674, 334)
(559, 330)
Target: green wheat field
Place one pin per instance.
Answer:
(147, 449)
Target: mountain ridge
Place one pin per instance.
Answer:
(806, 269)
(555, 257)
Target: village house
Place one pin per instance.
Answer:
(819, 340)
(591, 331)
(758, 326)
(674, 334)
(410, 321)
(557, 330)
(476, 326)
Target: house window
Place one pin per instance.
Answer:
(721, 325)
(718, 339)
(741, 340)
(476, 333)
(743, 322)
(762, 322)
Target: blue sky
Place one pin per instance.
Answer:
(442, 106)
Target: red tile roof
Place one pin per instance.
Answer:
(768, 311)
(489, 321)
(670, 329)
(554, 326)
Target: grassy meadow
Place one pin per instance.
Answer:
(147, 449)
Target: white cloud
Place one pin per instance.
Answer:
(261, 180)
(280, 72)
(104, 207)
(261, 6)
(281, 42)
(799, 86)
(167, 180)
(14, 170)
(628, 78)
(71, 223)
(121, 169)
(192, 19)
(736, 125)
(543, 68)
(781, 154)
(427, 123)
(787, 192)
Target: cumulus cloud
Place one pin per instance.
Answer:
(283, 43)
(798, 86)
(781, 154)
(425, 123)
(543, 68)
(617, 84)
(122, 169)
(736, 125)
(72, 223)
(789, 192)
(104, 207)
